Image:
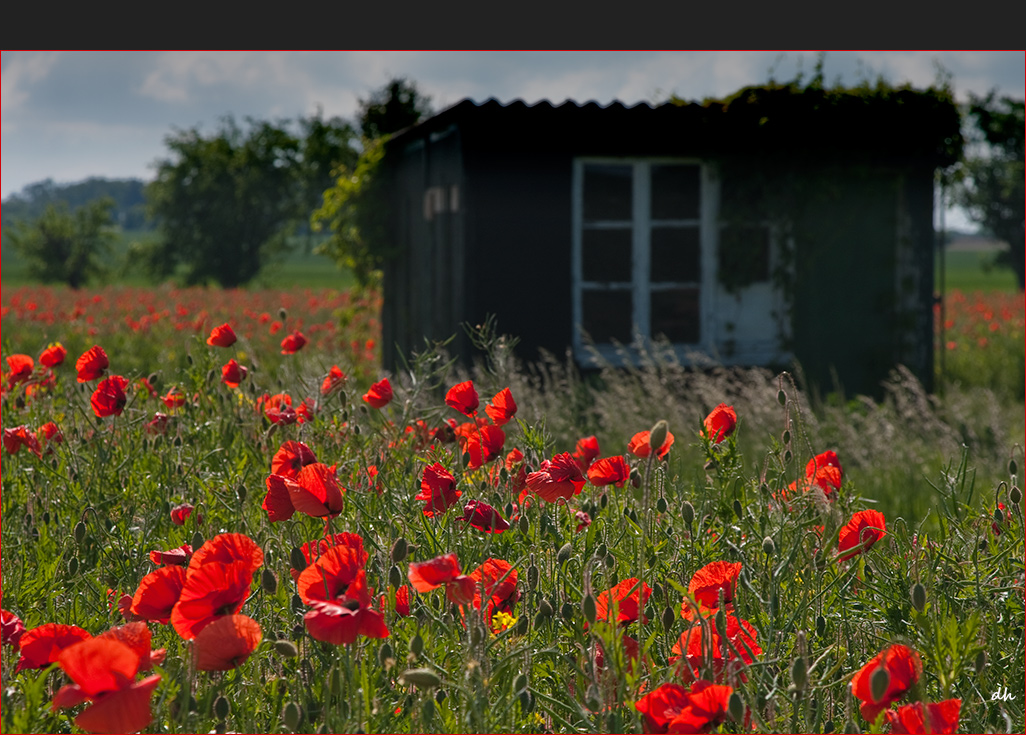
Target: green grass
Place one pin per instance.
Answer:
(970, 271)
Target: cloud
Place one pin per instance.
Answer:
(186, 77)
(20, 73)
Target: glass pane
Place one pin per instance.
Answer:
(675, 255)
(675, 314)
(608, 315)
(606, 255)
(675, 191)
(744, 256)
(607, 192)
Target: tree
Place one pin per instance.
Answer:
(991, 184)
(391, 108)
(67, 247)
(352, 208)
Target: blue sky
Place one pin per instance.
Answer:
(69, 115)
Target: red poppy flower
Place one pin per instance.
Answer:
(720, 423)
(333, 380)
(583, 520)
(136, 635)
(484, 517)
(942, 717)
(175, 557)
(437, 490)
(92, 364)
(104, 670)
(109, 398)
(329, 576)
(291, 457)
(53, 355)
(662, 706)
(158, 424)
(609, 471)
(904, 668)
(41, 646)
(825, 459)
(315, 491)
(293, 343)
(313, 550)
(232, 373)
(343, 619)
(226, 643)
(628, 598)
(402, 601)
(702, 642)
(463, 398)
(158, 593)
(482, 442)
(180, 513)
(222, 336)
(17, 437)
(21, 368)
(174, 398)
(495, 588)
(380, 394)
(707, 582)
(586, 451)
(557, 478)
(639, 445)
(863, 530)
(228, 548)
(429, 575)
(51, 432)
(278, 408)
(502, 408)
(11, 628)
(211, 590)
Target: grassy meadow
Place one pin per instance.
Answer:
(305, 549)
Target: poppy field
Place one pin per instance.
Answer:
(220, 515)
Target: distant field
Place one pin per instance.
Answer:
(974, 270)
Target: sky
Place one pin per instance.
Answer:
(69, 115)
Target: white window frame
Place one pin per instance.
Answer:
(640, 286)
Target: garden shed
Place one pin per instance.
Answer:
(784, 223)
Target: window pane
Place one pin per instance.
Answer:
(608, 315)
(675, 314)
(606, 255)
(675, 191)
(607, 192)
(675, 255)
(744, 255)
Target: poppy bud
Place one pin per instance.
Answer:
(601, 551)
(661, 504)
(787, 456)
(850, 726)
(999, 515)
(427, 710)
(738, 511)
(687, 512)
(282, 313)
(1015, 495)
(221, 708)
(395, 577)
(297, 603)
(297, 559)
(424, 678)
(417, 645)
(521, 628)
(567, 612)
(73, 566)
(520, 683)
(603, 501)
(981, 662)
(657, 436)
(918, 596)
(384, 653)
(197, 540)
(291, 716)
(781, 397)
(399, 549)
(735, 707)
(564, 553)
(799, 673)
(635, 477)
(1013, 468)
(508, 509)
(785, 438)
(820, 625)
(286, 648)
(768, 546)
(80, 532)
(241, 492)
(523, 525)
(544, 609)
(588, 608)
(668, 618)
(593, 698)
(532, 576)
(526, 701)
(268, 581)
(878, 684)
(610, 561)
